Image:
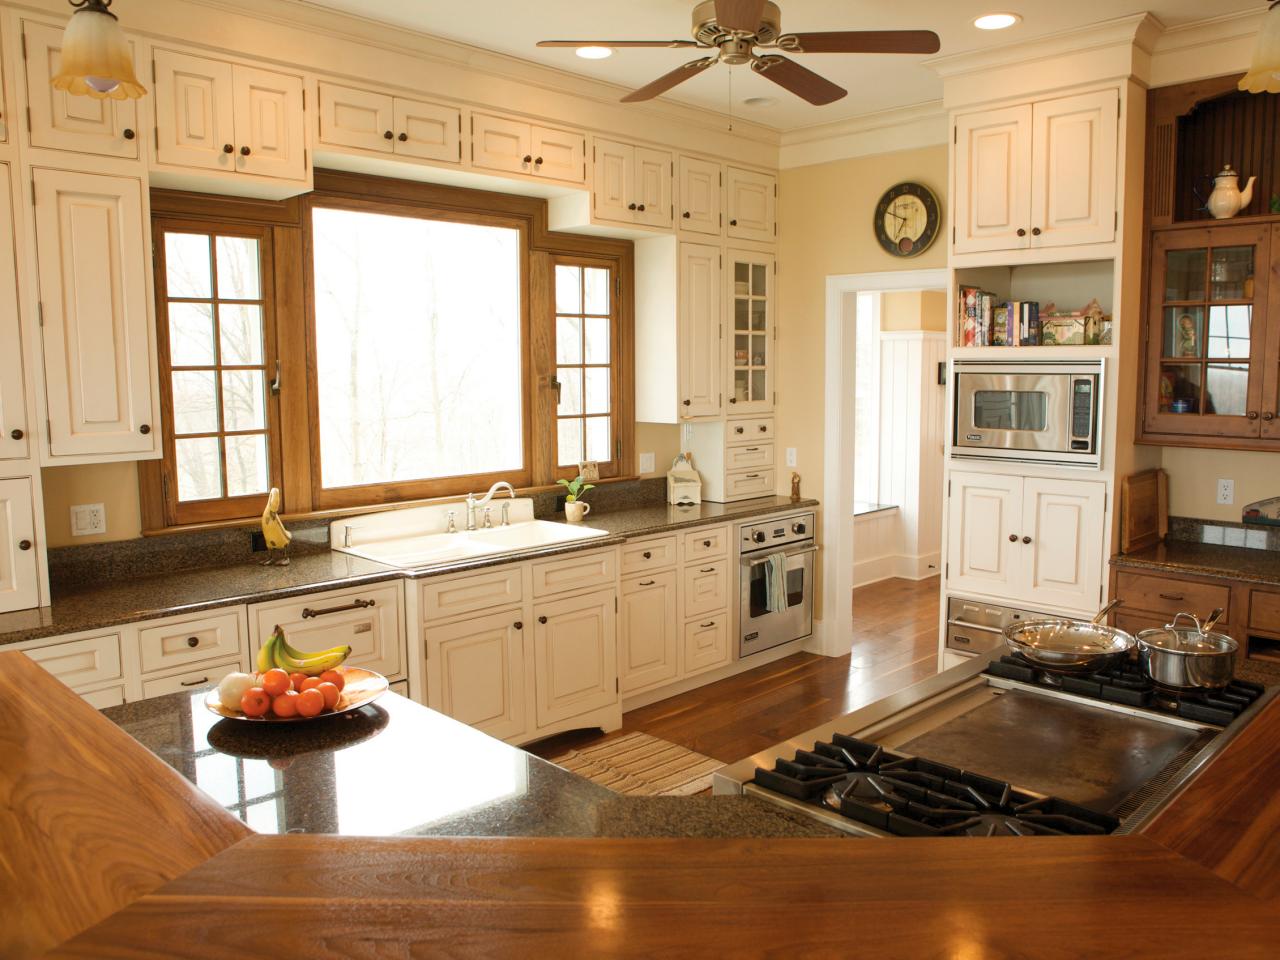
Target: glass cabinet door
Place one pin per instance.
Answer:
(1205, 349)
(750, 343)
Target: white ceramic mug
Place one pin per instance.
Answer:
(575, 510)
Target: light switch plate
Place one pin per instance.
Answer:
(646, 463)
(88, 519)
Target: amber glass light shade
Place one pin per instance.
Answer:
(95, 60)
(1264, 75)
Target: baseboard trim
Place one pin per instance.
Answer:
(867, 572)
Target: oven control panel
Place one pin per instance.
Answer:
(775, 532)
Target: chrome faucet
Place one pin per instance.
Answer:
(473, 503)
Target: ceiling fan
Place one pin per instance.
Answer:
(736, 28)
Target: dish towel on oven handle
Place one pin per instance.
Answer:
(775, 582)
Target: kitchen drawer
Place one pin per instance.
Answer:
(195, 677)
(750, 431)
(1165, 597)
(757, 483)
(706, 588)
(579, 571)
(106, 697)
(706, 644)
(81, 663)
(710, 543)
(748, 457)
(442, 599)
(370, 620)
(646, 555)
(1264, 611)
(174, 645)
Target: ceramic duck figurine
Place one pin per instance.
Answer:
(1227, 198)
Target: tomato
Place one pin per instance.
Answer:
(310, 702)
(335, 677)
(275, 682)
(296, 679)
(255, 702)
(331, 695)
(310, 682)
(286, 705)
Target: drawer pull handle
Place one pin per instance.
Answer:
(751, 449)
(647, 583)
(1175, 597)
(706, 543)
(752, 476)
(519, 624)
(708, 570)
(647, 555)
(193, 642)
(193, 683)
(542, 619)
(711, 623)
(308, 613)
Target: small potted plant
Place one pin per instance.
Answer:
(574, 508)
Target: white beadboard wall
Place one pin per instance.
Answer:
(906, 542)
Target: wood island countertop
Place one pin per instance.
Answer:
(103, 843)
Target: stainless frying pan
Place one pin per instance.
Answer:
(1070, 646)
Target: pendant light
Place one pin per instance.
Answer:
(96, 61)
(1264, 75)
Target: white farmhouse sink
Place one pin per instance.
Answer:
(425, 549)
(533, 534)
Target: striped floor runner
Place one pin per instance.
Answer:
(640, 765)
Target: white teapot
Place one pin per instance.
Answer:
(1227, 198)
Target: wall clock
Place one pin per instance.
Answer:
(907, 219)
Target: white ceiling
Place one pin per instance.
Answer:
(874, 82)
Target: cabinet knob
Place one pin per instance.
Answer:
(1266, 416)
(519, 624)
(685, 214)
(128, 133)
(1026, 539)
(733, 399)
(1013, 538)
(647, 555)
(388, 135)
(24, 544)
(193, 642)
(631, 206)
(737, 430)
(144, 429)
(542, 619)
(403, 137)
(245, 151)
(527, 159)
(1022, 232)
(763, 428)
(228, 148)
(687, 403)
(1035, 232)
(706, 543)
(1252, 414)
(16, 434)
(733, 223)
(641, 208)
(537, 162)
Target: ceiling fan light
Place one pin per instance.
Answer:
(95, 60)
(1264, 74)
(594, 53)
(996, 21)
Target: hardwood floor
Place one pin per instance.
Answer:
(895, 641)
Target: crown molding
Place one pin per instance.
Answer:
(1207, 48)
(885, 131)
(1189, 36)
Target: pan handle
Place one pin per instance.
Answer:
(1211, 621)
(1102, 614)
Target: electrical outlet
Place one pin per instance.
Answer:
(791, 456)
(646, 463)
(1226, 492)
(88, 520)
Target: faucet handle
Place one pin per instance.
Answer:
(506, 513)
(452, 527)
(488, 518)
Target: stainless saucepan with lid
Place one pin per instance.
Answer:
(1186, 657)
(1070, 646)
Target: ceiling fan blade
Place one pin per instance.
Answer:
(742, 15)
(801, 81)
(617, 43)
(668, 80)
(862, 41)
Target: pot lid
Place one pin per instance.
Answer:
(1069, 636)
(1187, 640)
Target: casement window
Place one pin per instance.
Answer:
(432, 341)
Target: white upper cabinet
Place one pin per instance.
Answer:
(559, 154)
(517, 146)
(751, 361)
(611, 186)
(632, 184)
(384, 124)
(699, 357)
(1037, 175)
(60, 121)
(19, 568)
(212, 115)
(698, 203)
(752, 200)
(654, 171)
(428, 131)
(14, 425)
(99, 357)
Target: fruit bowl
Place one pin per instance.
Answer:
(361, 687)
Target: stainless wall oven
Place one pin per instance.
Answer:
(1045, 411)
(760, 628)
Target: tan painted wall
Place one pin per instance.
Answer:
(903, 311)
(660, 439)
(1194, 475)
(114, 485)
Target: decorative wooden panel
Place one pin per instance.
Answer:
(1241, 129)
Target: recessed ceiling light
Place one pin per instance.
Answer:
(594, 53)
(996, 21)
(759, 101)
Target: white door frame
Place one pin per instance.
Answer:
(835, 638)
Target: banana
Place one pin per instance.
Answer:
(303, 654)
(266, 655)
(276, 652)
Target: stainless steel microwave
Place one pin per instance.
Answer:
(1044, 411)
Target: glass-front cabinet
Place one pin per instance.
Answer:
(751, 344)
(1211, 347)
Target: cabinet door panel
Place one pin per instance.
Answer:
(194, 122)
(611, 188)
(749, 358)
(501, 144)
(575, 646)
(993, 180)
(700, 189)
(698, 331)
(431, 131)
(269, 122)
(559, 154)
(1073, 162)
(706, 644)
(13, 403)
(752, 202)
(356, 118)
(19, 589)
(653, 187)
(985, 511)
(90, 241)
(65, 122)
(480, 665)
(647, 643)
(1063, 518)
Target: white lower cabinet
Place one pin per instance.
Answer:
(19, 566)
(575, 656)
(477, 672)
(648, 648)
(705, 644)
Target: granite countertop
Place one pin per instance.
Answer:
(1206, 560)
(396, 768)
(94, 607)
